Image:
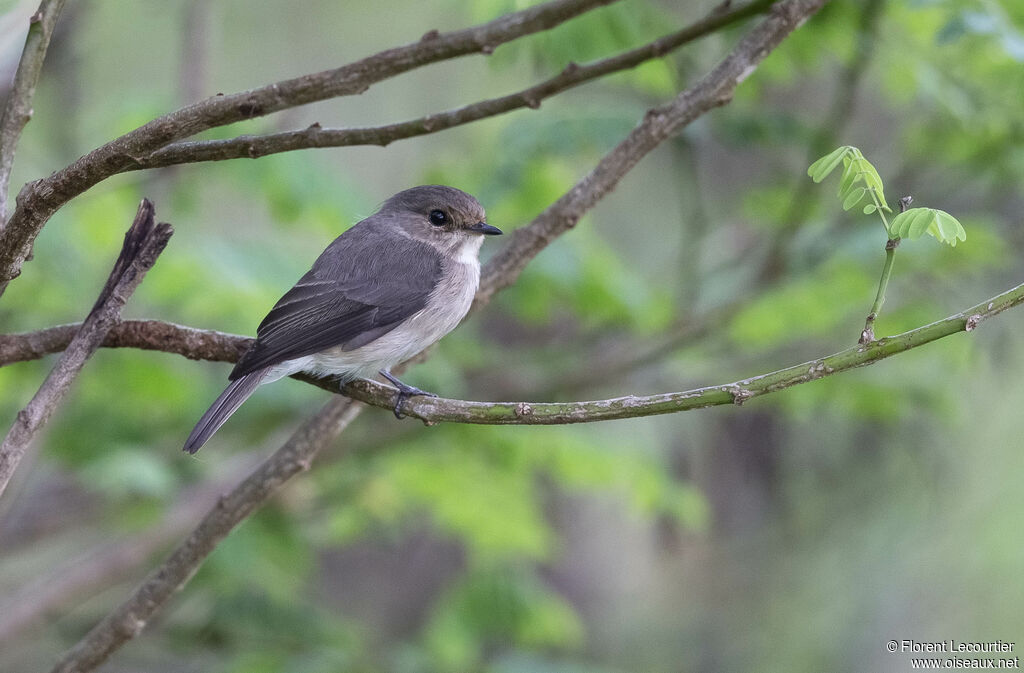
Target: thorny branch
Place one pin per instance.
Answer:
(127, 620)
(143, 243)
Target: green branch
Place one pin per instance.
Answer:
(435, 409)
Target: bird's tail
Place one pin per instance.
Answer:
(220, 411)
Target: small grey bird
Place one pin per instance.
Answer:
(383, 291)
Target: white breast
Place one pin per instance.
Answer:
(446, 306)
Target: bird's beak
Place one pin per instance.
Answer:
(484, 228)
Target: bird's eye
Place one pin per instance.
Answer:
(438, 218)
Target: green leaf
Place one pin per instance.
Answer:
(870, 208)
(920, 222)
(820, 169)
(870, 176)
(850, 176)
(853, 198)
(937, 223)
(855, 169)
(949, 228)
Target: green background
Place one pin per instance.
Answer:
(800, 532)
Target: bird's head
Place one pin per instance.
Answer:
(442, 216)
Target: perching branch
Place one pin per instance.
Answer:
(128, 619)
(143, 243)
(131, 617)
(255, 146)
(39, 200)
(436, 409)
(18, 110)
(155, 335)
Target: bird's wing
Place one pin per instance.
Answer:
(362, 286)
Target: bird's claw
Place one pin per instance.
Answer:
(405, 391)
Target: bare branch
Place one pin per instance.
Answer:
(142, 245)
(39, 200)
(18, 110)
(155, 335)
(130, 618)
(255, 146)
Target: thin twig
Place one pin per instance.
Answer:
(143, 243)
(867, 335)
(39, 200)
(125, 622)
(18, 110)
(255, 146)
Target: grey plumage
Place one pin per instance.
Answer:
(360, 288)
(384, 290)
(237, 392)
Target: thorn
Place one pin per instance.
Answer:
(36, 18)
(972, 322)
(315, 126)
(487, 49)
(430, 35)
(740, 395)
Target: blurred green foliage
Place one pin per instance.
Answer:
(797, 533)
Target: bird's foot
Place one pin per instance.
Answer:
(405, 391)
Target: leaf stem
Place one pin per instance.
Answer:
(868, 334)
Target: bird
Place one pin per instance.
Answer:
(381, 292)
